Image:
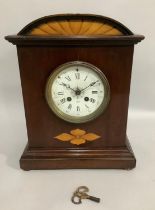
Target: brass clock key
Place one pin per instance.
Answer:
(81, 193)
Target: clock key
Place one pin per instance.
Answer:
(92, 198)
(81, 193)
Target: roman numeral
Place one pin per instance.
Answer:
(86, 106)
(68, 78)
(85, 78)
(60, 93)
(69, 106)
(78, 108)
(63, 100)
(77, 75)
(92, 100)
(94, 92)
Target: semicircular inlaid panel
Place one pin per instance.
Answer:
(72, 27)
(75, 25)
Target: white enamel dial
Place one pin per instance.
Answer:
(77, 92)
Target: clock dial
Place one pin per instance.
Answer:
(77, 92)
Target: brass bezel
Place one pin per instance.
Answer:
(67, 117)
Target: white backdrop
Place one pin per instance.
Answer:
(52, 189)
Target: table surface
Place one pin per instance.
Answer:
(52, 189)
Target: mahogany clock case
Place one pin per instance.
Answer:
(38, 57)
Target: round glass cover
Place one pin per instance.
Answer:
(77, 92)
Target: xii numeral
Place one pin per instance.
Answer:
(77, 75)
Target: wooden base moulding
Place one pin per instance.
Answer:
(97, 158)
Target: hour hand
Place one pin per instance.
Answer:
(67, 86)
(63, 84)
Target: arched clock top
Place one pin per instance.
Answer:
(75, 24)
(74, 30)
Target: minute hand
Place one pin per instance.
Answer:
(91, 84)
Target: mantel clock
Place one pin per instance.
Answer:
(75, 73)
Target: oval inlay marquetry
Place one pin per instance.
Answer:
(77, 137)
